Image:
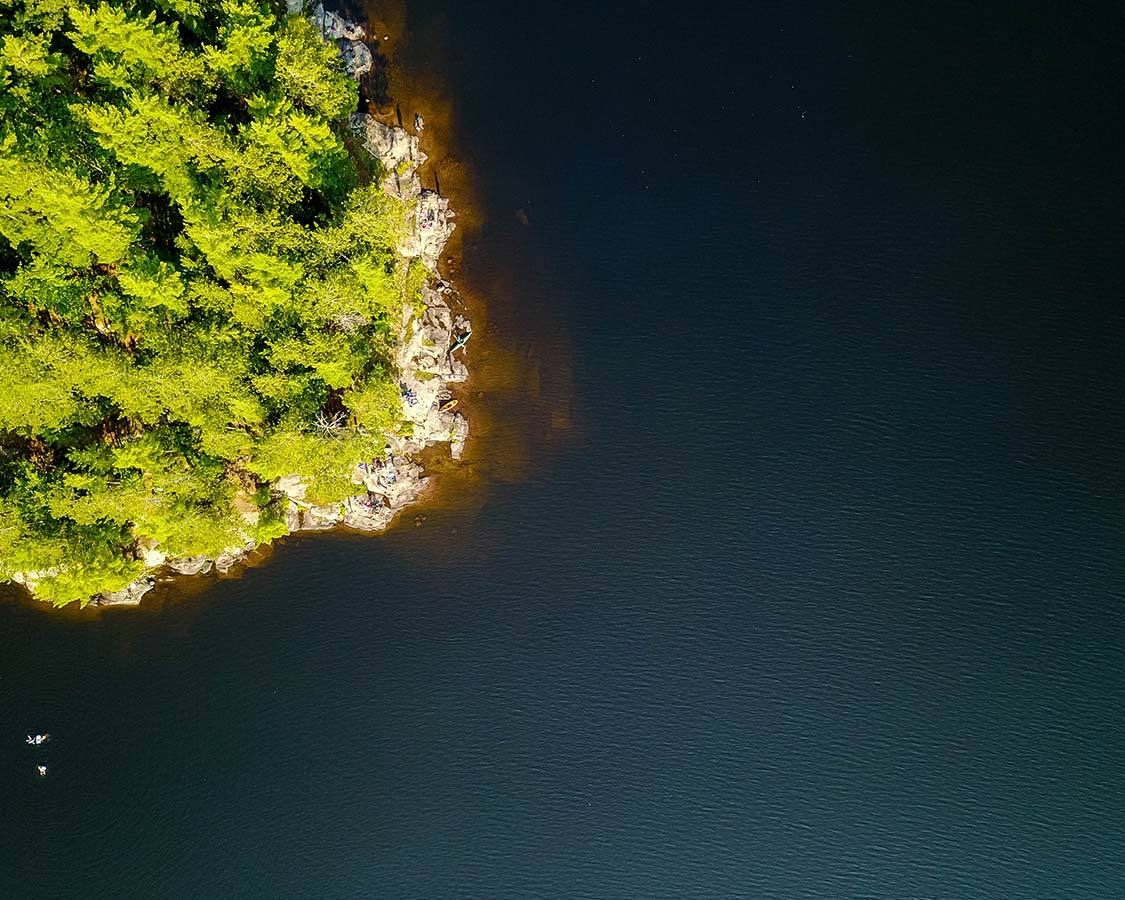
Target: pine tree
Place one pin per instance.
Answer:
(192, 273)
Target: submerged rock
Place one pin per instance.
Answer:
(458, 435)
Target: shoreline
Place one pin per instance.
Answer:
(434, 382)
(518, 392)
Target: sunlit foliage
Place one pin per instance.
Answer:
(192, 276)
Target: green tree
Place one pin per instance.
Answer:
(199, 288)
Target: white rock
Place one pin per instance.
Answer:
(397, 151)
(292, 486)
(191, 565)
(458, 435)
(150, 553)
(292, 516)
(153, 556)
(130, 595)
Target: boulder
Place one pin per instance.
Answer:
(458, 434)
(191, 565)
(150, 553)
(368, 513)
(433, 227)
(292, 516)
(397, 151)
(335, 26)
(130, 595)
(292, 486)
(231, 557)
(355, 57)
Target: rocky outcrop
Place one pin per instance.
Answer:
(349, 37)
(356, 58)
(232, 556)
(433, 227)
(334, 26)
(397, 150)
(130, 595)
(191, 565)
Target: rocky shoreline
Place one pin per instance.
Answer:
(430, 336)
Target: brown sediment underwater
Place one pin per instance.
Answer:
(518, 395)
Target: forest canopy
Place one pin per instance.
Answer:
(199, 291)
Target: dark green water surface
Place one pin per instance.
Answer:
(799, 570)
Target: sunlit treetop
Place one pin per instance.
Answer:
(191, 274)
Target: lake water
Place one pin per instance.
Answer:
(791, 563)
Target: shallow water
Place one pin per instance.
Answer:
(791, 564)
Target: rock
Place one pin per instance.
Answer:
(153, 557)
(292, 486)
(458, 435)
(335, 26)
(230, 557)
(397, 151)
(355, 57)
(321, 518)
(367, 514)
(433, 228)
(31, 579)
(401, 158)
(150, 553)
(130, 595)
(292, 516)
(190, 565)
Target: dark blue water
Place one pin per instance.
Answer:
(800, 570)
